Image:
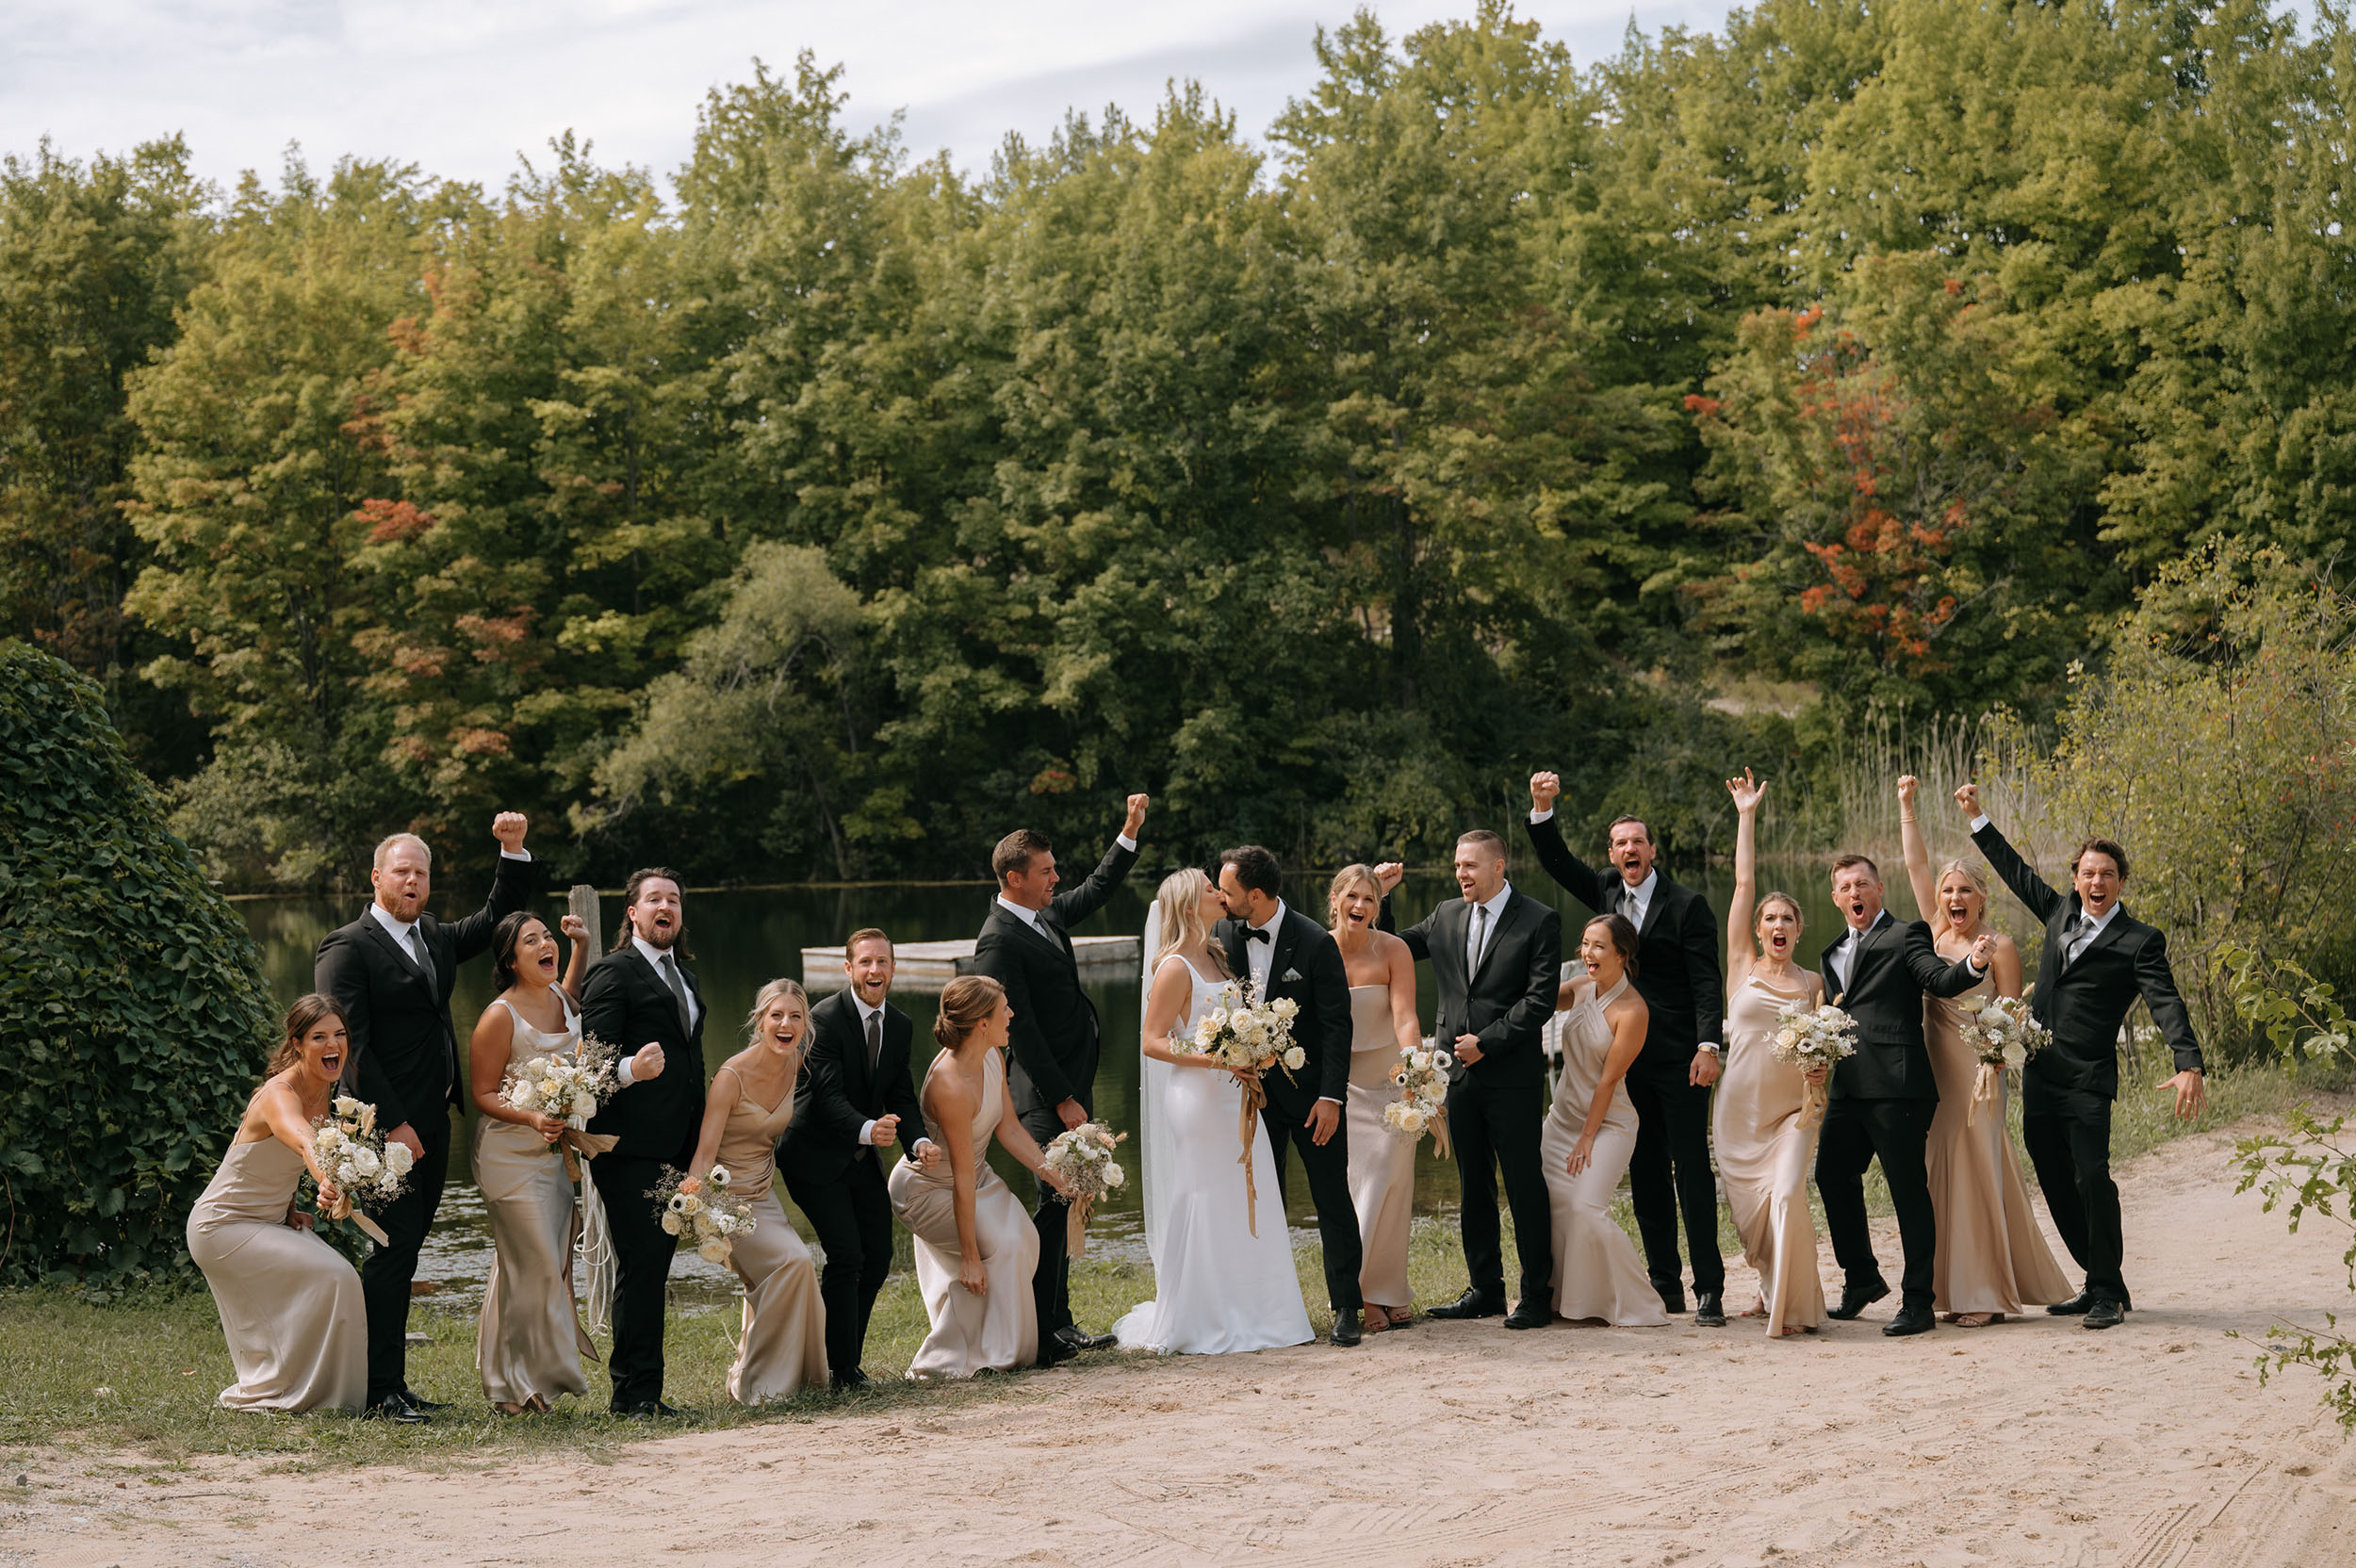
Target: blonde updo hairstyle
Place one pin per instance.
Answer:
(966, 1004)
(768, 997)
(1344, 879)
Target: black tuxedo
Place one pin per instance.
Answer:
(1679, 975)
(1054, 1040)
(404, 1060)
(1305, 965)
(625, 1002)
(838, 1180)
(1883, 1096)
(2068, 1088)
(1496, 1108)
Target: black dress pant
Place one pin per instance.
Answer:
(1051, 1282)
(1328, 1169)
(2068, 1136)
(1495, 1132)
(641, 1267)
(852, 1215)
(1669, 1175)
(1856, 1133)
(385, 1277)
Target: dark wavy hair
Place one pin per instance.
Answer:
(503, 940)
(1622, 934)
(1256, 869)
(301, 1020)
(638, 879)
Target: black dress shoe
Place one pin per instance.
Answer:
(1471, 1304)
(651, 1409)
(1856, 1298)
(2075, 1307)
(1055, 1352)
(2105, 1314)
(1529, 1313)
(1346, 1332)
(1910, 1320)
(1672, 1295)
(418, 1401)
(855, 1378)
(1079, 1339)
(1708, 1312)
(395, 1409)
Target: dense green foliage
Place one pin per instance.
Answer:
(821, 511)
(131, 999)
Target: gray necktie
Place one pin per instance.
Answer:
(425, 965)
(669, 971)
(2074, 940)
(1479, 938)
(1629, 910)
(875, 1044)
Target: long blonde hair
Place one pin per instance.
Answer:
(1344, 879)
(766, 997)
(1178, 902)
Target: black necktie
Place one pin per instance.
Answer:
(875, 1044)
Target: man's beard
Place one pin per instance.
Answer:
(663, 938)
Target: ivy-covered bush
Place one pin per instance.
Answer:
(134, 1020)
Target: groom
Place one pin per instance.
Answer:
(1497, 955)
(2098, 960)
(1285, 953)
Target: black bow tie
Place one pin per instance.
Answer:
(1254, 934)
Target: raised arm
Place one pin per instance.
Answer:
(1917, 854)
(1090, 896)
(1419, 935)
(1748, 792)
(1546, 837)
(511, 888)
(2026, 885)
(578, 967)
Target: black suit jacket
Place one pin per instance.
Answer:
(2085, 1004)
(1305, 964)
(1055, 1033)
(404, 1058)
(624, 1003)
(1509, 999)
(1677, 968)
(1888, 977)
(836, 1095)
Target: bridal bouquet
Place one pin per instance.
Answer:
(2003, 1033)
(357, 1160)
(570, 1084)
(1422, 1103)
(1812, 1037)
(1247, 1038)
(1084, 1158)
(702, 1212)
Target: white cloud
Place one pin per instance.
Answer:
(461, 87)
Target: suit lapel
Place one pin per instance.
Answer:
(1507, 920)
(1284, 943)
(2110, 933)
(401, 956)
(1032, 931)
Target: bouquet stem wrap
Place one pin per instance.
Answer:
(1984, 1084)
(1439, 1136)
(1075, 1227)
(1247, 1128)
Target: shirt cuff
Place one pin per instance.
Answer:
(1979, 821)
(1127, 843)
(1710, 1046)
(1327, 1099)
(1537, 817)
(923, 1144)
(514, 855)
(622, 1073)
(867, 1133)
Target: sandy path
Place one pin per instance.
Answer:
(2035, 1443)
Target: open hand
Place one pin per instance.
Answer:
(1323, 1117)
(508, 828)
(646, 1064)
(1581, 1152)
(1544, 789)
(1747, 791)
(2192, 1092)
(1967, 796)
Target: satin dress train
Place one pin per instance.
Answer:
(289, 1304)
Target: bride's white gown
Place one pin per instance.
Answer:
(1219, 1288)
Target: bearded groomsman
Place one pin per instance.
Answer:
(1025, 946)
(855, 1098)
(1676, 972)
(2097, 958)
(391, 971)
(1496, 959)
(643, 991)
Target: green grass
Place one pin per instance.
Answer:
(140, 1374)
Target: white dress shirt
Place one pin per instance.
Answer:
(1484, 929)
(1642, 894)
(1258, 956)
(867, 1128)
(2085, 939)
(654, 955)
(1838, 957)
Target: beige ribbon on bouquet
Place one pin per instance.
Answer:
(589, 1146)
(342, 1209)
(1247, 1127)
(1985, 1087)
(1439, 1134)
(1075, 1227)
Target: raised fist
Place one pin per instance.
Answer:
(1544, 789)
(508, 828)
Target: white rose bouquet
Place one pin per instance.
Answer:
(1084, 1158)
(1422, 1103)
(1247, 1038)
(357, 1160)
(702, 1212)
(1812, 1037)
(2003, 1033)
(570, 1084)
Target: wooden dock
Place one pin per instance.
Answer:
(925, 968)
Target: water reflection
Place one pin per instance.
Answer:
(741, 940)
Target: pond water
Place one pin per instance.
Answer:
(743, 938)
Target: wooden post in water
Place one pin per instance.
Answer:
(582, 904)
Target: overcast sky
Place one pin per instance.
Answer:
(461, 87)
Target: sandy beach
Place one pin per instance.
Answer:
(2030, 1442)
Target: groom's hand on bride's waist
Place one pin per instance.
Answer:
(1468, 1049)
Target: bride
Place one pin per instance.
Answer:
(1219, 1287)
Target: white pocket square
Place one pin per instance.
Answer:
(1291, 976)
